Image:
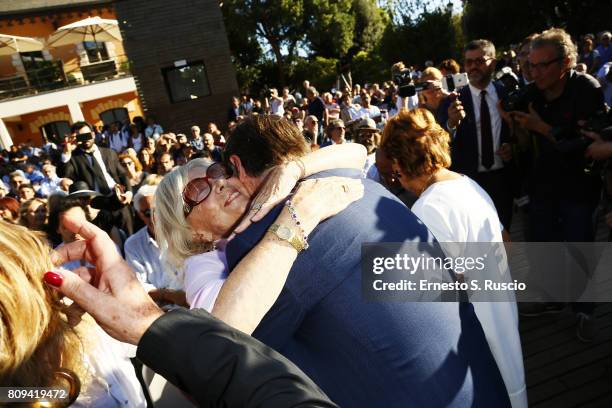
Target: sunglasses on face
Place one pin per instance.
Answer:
(147, 213)
(198, 189)
(477, 61)
(126, 163)
(541, 65)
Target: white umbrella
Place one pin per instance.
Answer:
(11, 44)
(93, 29)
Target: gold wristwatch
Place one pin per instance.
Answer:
(287, 234)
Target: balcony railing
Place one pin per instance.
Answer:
(52, 76)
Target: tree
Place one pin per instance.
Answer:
(330, 27)
(370, 24)
(279, 23)
(434, 35)
(320, 28)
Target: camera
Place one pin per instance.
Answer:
(511, 83)
(83, 137)
(454, 81)
(600, 122)
(405, 83)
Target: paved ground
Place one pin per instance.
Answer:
(561, 371)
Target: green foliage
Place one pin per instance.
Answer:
(370, 24)
(262, 30)
(319, 70)
(433, 36)
(330, 27)
(369, 67)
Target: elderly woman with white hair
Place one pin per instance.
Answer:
(198, 207)
(142, 252)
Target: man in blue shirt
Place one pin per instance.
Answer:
(361, 353)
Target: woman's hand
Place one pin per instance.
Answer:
(318, 199)
(278, 185)
(111, 295)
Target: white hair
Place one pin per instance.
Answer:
(172, 232)
(144, 191)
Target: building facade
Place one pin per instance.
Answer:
(172, 62)
(180, 56)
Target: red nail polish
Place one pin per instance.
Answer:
(53, 279)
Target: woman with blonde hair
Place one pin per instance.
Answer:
(40, 344)
(457, 210)
(33, 214)
(198, 207)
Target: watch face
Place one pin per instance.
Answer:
(283, 232)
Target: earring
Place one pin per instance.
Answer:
(73, 382)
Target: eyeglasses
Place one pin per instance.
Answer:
(477, 61)
(147, 213)
(127, 163)
(197, 190)
(540, 65)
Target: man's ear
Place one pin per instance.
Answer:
(237, 163)
(493, 64)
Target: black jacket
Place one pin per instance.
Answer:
(222, 367)
(79, 168)
(464, 144)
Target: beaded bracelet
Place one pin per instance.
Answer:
(295, 219)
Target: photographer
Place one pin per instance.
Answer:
(274, 103)
(432, 95)
(563, 192)
(559, 98)
(481, 135)
(402, 77)
(601, 149)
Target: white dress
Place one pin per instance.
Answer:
(114, 382)
(461, 211)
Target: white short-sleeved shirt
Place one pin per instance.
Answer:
(461, 211)
(204, 276)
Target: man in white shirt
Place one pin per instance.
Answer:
(142, 253)
(50, 184)
(99, 167)
(276, 103)
(153, 129)
(481, 137)
(367, 110)
(369, 136)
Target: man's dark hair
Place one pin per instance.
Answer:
(527, 40)
(485, 45)
(264, 141)
(79, 125)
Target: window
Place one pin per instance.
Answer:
(114, 115)
(187, 82)
(96, 51)
(55, 131)
(32, 60)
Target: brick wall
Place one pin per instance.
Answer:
(156, 33)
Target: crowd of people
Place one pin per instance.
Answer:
(260, 222)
